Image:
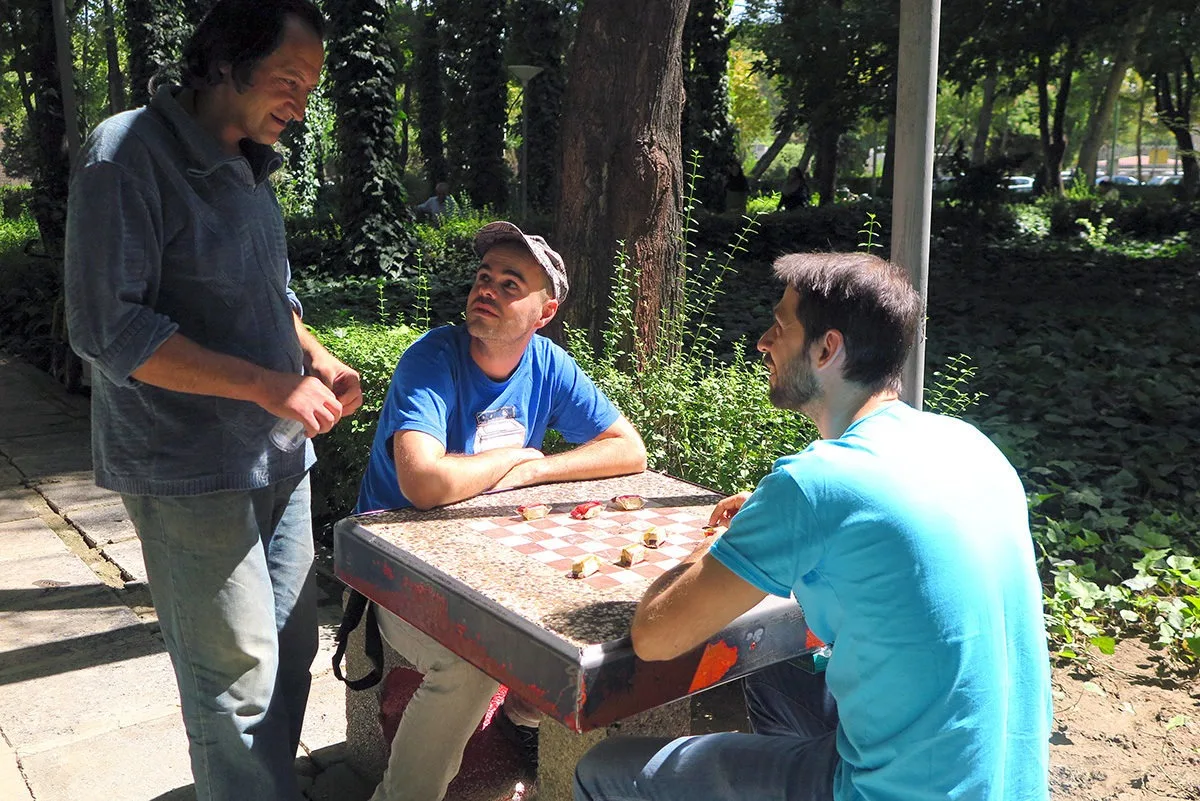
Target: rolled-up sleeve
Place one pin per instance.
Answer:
(113, 264)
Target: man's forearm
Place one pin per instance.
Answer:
(614, 456)
(455, 477)
(182, 365)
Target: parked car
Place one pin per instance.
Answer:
(1118, 180)
(1165, 180)
(1019, 183)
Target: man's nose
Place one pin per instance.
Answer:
(764, 342)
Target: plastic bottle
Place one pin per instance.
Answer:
(288, 435)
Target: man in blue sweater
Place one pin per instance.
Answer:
(177, 294)
(904, 536)
(466, 412)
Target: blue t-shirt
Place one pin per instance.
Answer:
(907, 543)
(438, 389)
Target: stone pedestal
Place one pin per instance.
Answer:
(560, 749)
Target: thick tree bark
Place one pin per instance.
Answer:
(1051, 118)
(984, 127)
(116, 81)
(621, 178)
(1173, 102)
(768, 157)
(825, 172)
(1089, 148)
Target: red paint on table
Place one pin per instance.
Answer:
(717, 660)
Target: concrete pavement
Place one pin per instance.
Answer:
(88, 705)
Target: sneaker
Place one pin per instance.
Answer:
(525, 738)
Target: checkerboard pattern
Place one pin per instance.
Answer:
(557, 541)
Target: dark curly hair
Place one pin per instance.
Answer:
(871, 301)
(242, 33)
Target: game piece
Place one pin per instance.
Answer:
(534, 511)
(629, 503)
(585, 566)
(712, 531)
(653, 537)
(631, 555)
(587, 510)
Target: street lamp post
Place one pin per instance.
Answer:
(524, 73)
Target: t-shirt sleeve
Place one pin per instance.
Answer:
(770, 542)
(580, 411)
(421, 396)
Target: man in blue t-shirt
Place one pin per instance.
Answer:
(904, 536)
(466, 412)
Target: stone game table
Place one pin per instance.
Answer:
(560, 643)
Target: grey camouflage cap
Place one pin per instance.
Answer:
(498, 233)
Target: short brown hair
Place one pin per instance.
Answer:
(869, 300)
(242, 33)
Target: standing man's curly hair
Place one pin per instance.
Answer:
(241, 33)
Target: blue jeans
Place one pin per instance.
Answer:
(792, 754)
(231, 578)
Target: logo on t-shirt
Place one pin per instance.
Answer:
(498, 428)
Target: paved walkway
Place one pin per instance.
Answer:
(88, 706)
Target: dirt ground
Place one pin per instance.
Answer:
(1122, 732)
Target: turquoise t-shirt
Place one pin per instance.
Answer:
(907, 543)
(437, 388)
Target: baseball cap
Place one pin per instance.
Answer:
(551, 263)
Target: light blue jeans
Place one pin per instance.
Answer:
(231, 578)
(791, 756)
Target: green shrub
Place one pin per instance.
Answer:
(702, 420)
(373, 350)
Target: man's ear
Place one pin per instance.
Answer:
(830, 348)
(549, 309)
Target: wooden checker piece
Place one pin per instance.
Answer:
(557, 540)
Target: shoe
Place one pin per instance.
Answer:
(525, 738)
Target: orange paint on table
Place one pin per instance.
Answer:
(717, 660)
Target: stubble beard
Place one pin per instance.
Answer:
(795, 387)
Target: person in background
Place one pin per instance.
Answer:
(794, 193)
(737, 188)
(438, 206)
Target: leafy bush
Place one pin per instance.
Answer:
(373, 350)
(702, 420)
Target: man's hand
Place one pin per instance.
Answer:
(303, 398)
(339, 377)
(726, 508)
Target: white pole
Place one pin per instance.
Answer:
(912, 193)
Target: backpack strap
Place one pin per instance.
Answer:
(356, 604)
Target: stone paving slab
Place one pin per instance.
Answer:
(65, 496)
(60, 566)
(127, 556)
(10, 476)
(38, 422)
(325, 718)
(36, 464)
(12, 783)
(144, 761)
(18, 503)
(28, 539)
(63, 441)
(103, 524)
(84, 687)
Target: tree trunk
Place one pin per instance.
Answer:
(1174, 106)
(1051, 118)
(66, 77)
(984, 126)
(887, 179)
(537, 38)
(427, 86)
(116, 81)
(825, 173)
(706, 125)
(768, 157)
(1089, 148)
(621, 178)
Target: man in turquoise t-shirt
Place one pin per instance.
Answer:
(904, 536)
(466, 412)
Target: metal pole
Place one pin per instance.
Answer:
(912, 194)
(524, 158)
